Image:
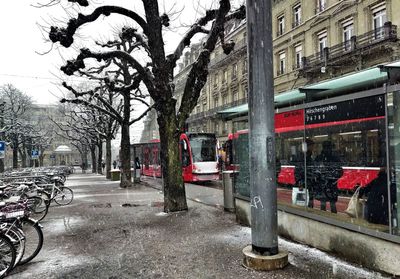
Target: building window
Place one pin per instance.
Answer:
(348, 32)
(298, 55)
(216, 128)
(224, 76)
(297, 15)
(216, 79)
(322, 42)
(234, 70)
(379, 18)
(245, 66)
(234, 95)
(282, 63)
(225, 128)
(204, 106)
(281, 25)
(224, 99)
(216, 102)
(321, 6)
(204, 128)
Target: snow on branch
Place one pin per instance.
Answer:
(66, 35)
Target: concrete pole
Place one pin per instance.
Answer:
(262, 133)
(263, 253)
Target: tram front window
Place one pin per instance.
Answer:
(203, 148)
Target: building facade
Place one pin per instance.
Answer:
(314, 40)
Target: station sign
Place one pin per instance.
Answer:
(35, 154)
(2, 149)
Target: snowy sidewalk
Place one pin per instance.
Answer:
(97, 237)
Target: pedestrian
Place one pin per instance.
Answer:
(103, 165)
(330, 170)
(83, 166)
(377, 204)
(115, 164)
(137, 163)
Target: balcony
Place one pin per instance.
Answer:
(296, 23)
(320, 8)
(337, 54)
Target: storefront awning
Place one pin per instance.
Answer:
(373, 77)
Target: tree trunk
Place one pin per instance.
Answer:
(100, 157)
(41, 159)
(125, 156)
(23, 158)
(108, 158)
(15, 153)
(93, 156)
(125, 151)
(174, 187)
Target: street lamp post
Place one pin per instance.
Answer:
(263, 254)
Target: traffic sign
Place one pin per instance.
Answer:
(2, 149)
(35, 154)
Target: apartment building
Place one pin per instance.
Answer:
(314, 40)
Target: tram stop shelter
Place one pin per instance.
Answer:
(357, 116)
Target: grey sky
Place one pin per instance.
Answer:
(37, 75)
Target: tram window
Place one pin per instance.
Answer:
(288, 147)
(184, 154)
(203, 148)
(357, 144)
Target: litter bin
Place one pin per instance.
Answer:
(137, 180)
(115, 175)
(137, 175)
(227, 180)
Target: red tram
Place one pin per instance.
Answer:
(198, 157)
(355, 127)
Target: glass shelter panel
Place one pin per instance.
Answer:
(394, 159)
(331, 152)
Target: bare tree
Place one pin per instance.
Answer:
(16, 127)
(158, 76)
(117, 80)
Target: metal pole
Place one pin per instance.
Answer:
(2, 136)
(262, 135)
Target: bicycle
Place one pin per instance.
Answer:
(16, 216)
(62, 195)
(7, 255)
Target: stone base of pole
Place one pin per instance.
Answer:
(264, 263)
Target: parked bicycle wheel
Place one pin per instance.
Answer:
(64, 196)
(38, 206)
(7, 255)
(34, 239)
(17, 238)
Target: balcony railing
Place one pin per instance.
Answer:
(296, 23)
(386, 33)
(320, 8)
